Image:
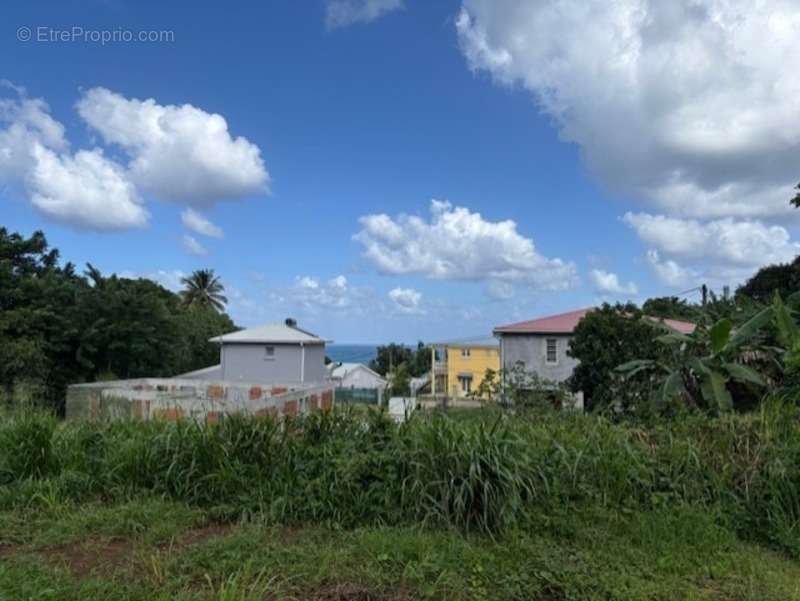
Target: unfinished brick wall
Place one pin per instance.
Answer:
(172, 399)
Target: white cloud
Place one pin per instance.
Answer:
(608, 283)
(193, 247)
(313, 294)
(200, 224)
(688, 105)
(746, 243)
(341, 13)
(84, 189)
(725, 249)
(406, 300)
(169, 279)
(498, 290)
(177, 153)
(670, 273)
(457, 244)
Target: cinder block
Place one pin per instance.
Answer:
(216, 392)
(276, 390)
(290, 407)
(171, 414)
(267, 412)
(327, 400)
(255, 393)
(313, 403)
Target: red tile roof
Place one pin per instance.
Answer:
(565, 323)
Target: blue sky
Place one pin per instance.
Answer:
(387, 145)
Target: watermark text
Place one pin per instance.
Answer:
(44, 34)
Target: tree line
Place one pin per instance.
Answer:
(59, 326)
(744, 346)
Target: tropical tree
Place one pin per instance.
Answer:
(783, 278)
(203, 289)
(715, 368)
(605, 338)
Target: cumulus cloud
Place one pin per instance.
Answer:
(200, 224)
(341, 13)
(406, 300)
(745, 243)
(84, 189)
(193, 247)
(724, 251)
(608, 283)
(313, 294)
(458, 244)
(679, 103)
(177, 153)
(670, 273)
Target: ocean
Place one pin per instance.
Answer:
(351, 353)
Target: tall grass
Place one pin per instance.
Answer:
(482, 475)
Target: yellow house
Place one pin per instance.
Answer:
(460, 365)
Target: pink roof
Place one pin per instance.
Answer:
(684, 327)
(565, 323)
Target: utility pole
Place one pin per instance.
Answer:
(704, 291)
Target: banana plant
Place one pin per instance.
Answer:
(698, 368)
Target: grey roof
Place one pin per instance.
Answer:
(478, 341)
(278, 333)
(340, 370)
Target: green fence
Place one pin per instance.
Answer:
(367, 396)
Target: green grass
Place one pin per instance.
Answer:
(148, 549)
(350, 505)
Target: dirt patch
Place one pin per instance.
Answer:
(84, 557)
(198, 535)
(355, 592)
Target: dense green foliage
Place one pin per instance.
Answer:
(391, 356)
(783, 278)
(485, 475)
(670, 307)
(58, 327)
(606, 338)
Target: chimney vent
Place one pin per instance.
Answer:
(292, 323)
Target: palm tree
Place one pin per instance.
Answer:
(203, 289)
(94, 275)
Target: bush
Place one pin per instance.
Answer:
(488, 473)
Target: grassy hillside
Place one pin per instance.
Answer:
(342, 507)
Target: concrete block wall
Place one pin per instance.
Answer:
(173, 398)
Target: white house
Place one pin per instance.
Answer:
(355, 375)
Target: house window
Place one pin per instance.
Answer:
(269, 352)
(466, 384)
(465, 352)
(551, 353)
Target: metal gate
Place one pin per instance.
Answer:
(365, 396)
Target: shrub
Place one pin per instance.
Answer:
(488, 473)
